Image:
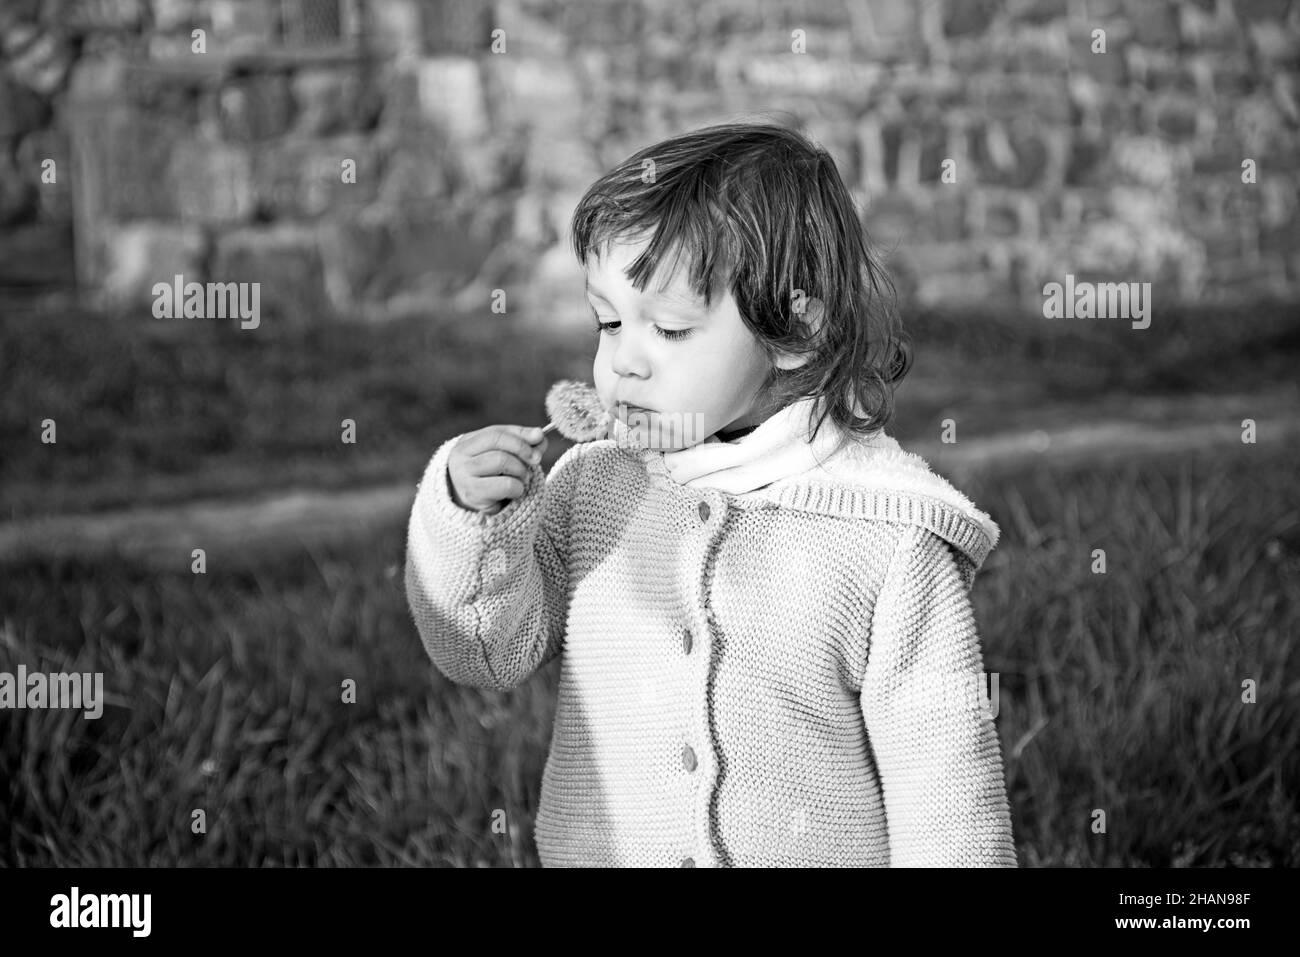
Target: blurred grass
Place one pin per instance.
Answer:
(1118, 691)
(225, 694)
(1123, 691)
(154, 411)
(995, 371)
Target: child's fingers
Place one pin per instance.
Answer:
(488, 464)
(498, 438)
(529, 433)
(501, 486)
(535, 442)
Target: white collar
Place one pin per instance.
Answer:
(766, 462)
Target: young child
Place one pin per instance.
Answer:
(761, 602)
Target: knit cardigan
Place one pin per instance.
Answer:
(781, 678)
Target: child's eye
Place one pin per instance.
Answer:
(673, 334)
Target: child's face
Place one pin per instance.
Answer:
(705, 375)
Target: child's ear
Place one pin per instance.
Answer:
(786, 361)
(814, 314)
(811, 318)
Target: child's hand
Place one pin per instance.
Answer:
(488, 469)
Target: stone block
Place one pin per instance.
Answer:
(377, 257)
(1013, 155)
(890, 217)
(212, 183)
(1155, 23)
(838, 139)
(936, 144)
(97, 78)
(1034, 11)
(335, 100)
(871, 154)
(19, 11)
(395, 27)
(158, 93)
(1086, 165)
(934, 288)
(400, 89)
(1109, 69)
(238, 26)
(255, 107)
(946, 222)
(36, 255)
(457, 26)
(172, 47)
(450, 95)
(38, 58)
(888, 29)
(603, 23)
(999, 217)
(559, 209)
(530, 223)
(21, 109)
(537, 91)
(550, 297)
(1175, 117)
(489, 167)
(1261, 9)
(534, 31)
(416, 170)
(171, 15)
(134, 256)
(90, 16)
(556, 162)
(1275, 43)
(54, 200)
(120, 160)
(18, 198)
(1150, 161)
(304, 179)
(312, 23)
(285, 261)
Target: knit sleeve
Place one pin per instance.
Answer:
(925, 703)
(489, 593)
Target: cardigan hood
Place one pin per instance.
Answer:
(833, 473)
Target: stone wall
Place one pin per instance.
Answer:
(229, 160)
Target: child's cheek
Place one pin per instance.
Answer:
(603, 379)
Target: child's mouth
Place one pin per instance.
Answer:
(624, 410)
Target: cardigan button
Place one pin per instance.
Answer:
(704, 511)
(686, 641)
(688, 862)
(688, 758)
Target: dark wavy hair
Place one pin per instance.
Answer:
(766, 212)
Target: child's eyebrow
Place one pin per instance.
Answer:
(672, 298)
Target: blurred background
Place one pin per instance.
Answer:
(398, 177)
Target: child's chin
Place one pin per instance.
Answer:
(660, 436)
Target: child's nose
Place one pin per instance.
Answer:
(629, 357)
